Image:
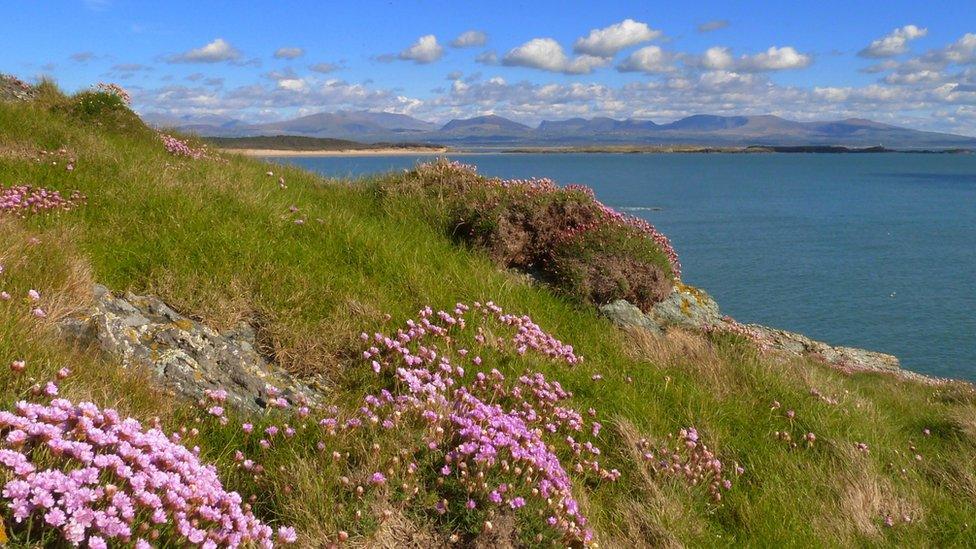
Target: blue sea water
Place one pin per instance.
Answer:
(869, 250)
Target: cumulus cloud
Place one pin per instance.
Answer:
(717, 58)
(649, 59)
(894, 43)
(470, 39)
(773, 59)
(215, 52)
(709, 26)
(606, 42)
(288, 53)
(424, 50)
(546, 54)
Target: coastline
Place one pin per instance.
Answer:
(391, 151)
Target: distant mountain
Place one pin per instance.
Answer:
(490, 125)
(700, 129)
(348, 125)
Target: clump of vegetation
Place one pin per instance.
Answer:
(563, 236)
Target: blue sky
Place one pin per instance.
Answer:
(898, 62)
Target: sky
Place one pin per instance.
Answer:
(902, 62)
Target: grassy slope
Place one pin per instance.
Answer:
(216, 240)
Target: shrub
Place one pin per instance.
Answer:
(564, 236)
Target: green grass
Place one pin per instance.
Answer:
(215, 239)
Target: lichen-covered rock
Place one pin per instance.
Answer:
(626, 314)
(183, 354)
(688, 307)
(692, 308)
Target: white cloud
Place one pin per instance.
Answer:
(470, 39)
(606, 42)
(894, 43)
(916, 77)
(649, 59)
(773, 59)
(214, 52)
(717, 58)
(546, 54)
(289, 53)
(709, 26)
(962, 51)
(292, 84)
(424, 50)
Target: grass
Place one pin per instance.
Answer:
(216, 240)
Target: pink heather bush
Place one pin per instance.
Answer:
(562, 235)
(22, 200)
(178, 147)
(114, 89)
(95, 476)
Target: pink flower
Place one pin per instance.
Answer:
(18, 366)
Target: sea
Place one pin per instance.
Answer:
(876, 251)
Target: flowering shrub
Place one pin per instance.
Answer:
(116, 90)
(689, 459)
(22, 200)
(178, 147)
(562, 235)
(95, 476)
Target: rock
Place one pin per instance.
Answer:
(688, 307)
(847, 358)
(181, 353)
(624, 313)
(692, 308)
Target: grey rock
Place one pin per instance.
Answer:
(183, 355)
(688, 307)
(623, 313)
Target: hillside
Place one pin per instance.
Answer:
(462, 425)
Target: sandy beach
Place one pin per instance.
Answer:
(392, 151)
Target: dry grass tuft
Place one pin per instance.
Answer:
(652, 515)
(866, 498)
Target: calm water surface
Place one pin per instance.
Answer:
(872, 251)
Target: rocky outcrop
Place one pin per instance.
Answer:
(623, 313)
(14, 89)
(692, 308)
(182, 354)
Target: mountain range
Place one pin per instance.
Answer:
(494, 130)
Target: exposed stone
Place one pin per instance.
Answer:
(623, 313)
(688, 307)
(839, 356)
(14, 89)
(183, 354)
(692, 308)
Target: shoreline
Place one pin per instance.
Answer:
(391, 151)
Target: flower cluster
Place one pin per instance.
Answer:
(114, 89)
(22, 200)
(688, 458)
(484, 426)
(178, 147)
(94, 476)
